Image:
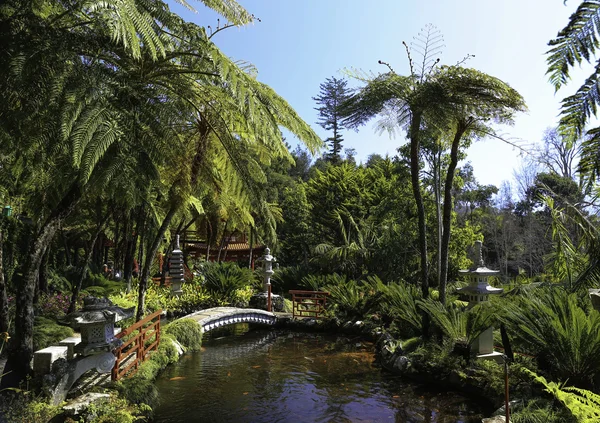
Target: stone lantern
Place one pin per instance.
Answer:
(176, 269)
(261, 300)
(477, 292)
(267, 260)
(96, 322)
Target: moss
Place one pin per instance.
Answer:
(167, 347)
(187, 331)
(20, 408)
(47, 332)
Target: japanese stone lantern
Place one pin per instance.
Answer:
(268, 271)
(477, 292)
(176, 269)
(96, 322)
(262, 300)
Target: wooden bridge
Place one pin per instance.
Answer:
(216, 317)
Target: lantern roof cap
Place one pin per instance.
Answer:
(97, 310)
(480, 289)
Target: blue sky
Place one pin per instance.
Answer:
(299, 43)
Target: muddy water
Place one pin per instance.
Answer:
(265, 377)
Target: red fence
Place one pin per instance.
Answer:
(134, 350)
(308, 303)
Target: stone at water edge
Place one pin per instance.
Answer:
(80, 404)
(495, 419)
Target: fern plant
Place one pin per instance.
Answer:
(584, 405)
(552, 325)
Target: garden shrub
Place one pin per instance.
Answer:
(47, 332)
(115, 410)
(20, 407)
(551, 324)
(187, 331)
(226, 278)
(168, 348)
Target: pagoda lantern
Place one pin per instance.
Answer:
(477, 292)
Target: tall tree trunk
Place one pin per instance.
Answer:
(251, 244)
(415, 127)
(447, 213)
(222, 243)
(437, 182)
(66, 247)
(4, 317)
(150, 255)
(84, 267)
(43, 279)
(21, 347)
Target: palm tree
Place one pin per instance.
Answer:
(450, 99)
(65, 73)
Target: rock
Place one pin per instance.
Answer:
(514, 406)
(401, 363)
(496, 419)
(82, 403)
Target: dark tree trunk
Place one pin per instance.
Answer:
(4, 317)
(43, 279)
(416, 188)
(66, 247)
(415, 128)
(21, 347)
(447, 211)
(222, 243)
(251, 244)
(84, 267)
(150, 254)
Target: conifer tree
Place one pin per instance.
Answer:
(333, 92)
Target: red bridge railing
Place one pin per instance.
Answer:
(139, 339)
(308, 303)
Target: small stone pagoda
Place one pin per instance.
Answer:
(176, 269)
(96, 322)
(261, 300)
(477, 292)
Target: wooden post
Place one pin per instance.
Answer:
(269, 298)
(506, 400)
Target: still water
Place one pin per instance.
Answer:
(268, 376)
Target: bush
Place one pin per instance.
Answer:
(552, 325)
(187, 332)
(21, 408)
(226, 278)
(47, 332)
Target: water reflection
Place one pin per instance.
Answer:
(260, 377)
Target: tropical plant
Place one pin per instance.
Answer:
(552, 325)
(448, 99)
(353, 300)
(584, 405)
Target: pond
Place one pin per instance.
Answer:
(269, 376)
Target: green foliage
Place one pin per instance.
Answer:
(167, 347)
(97, 285)
(22, 408)
(400, 302)
(584, 405)
(564, 336)
(226, 278)
(47, 332)
(353, 300)
(187, 332)
(456, 323)
(116, 410)
(541, 411)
